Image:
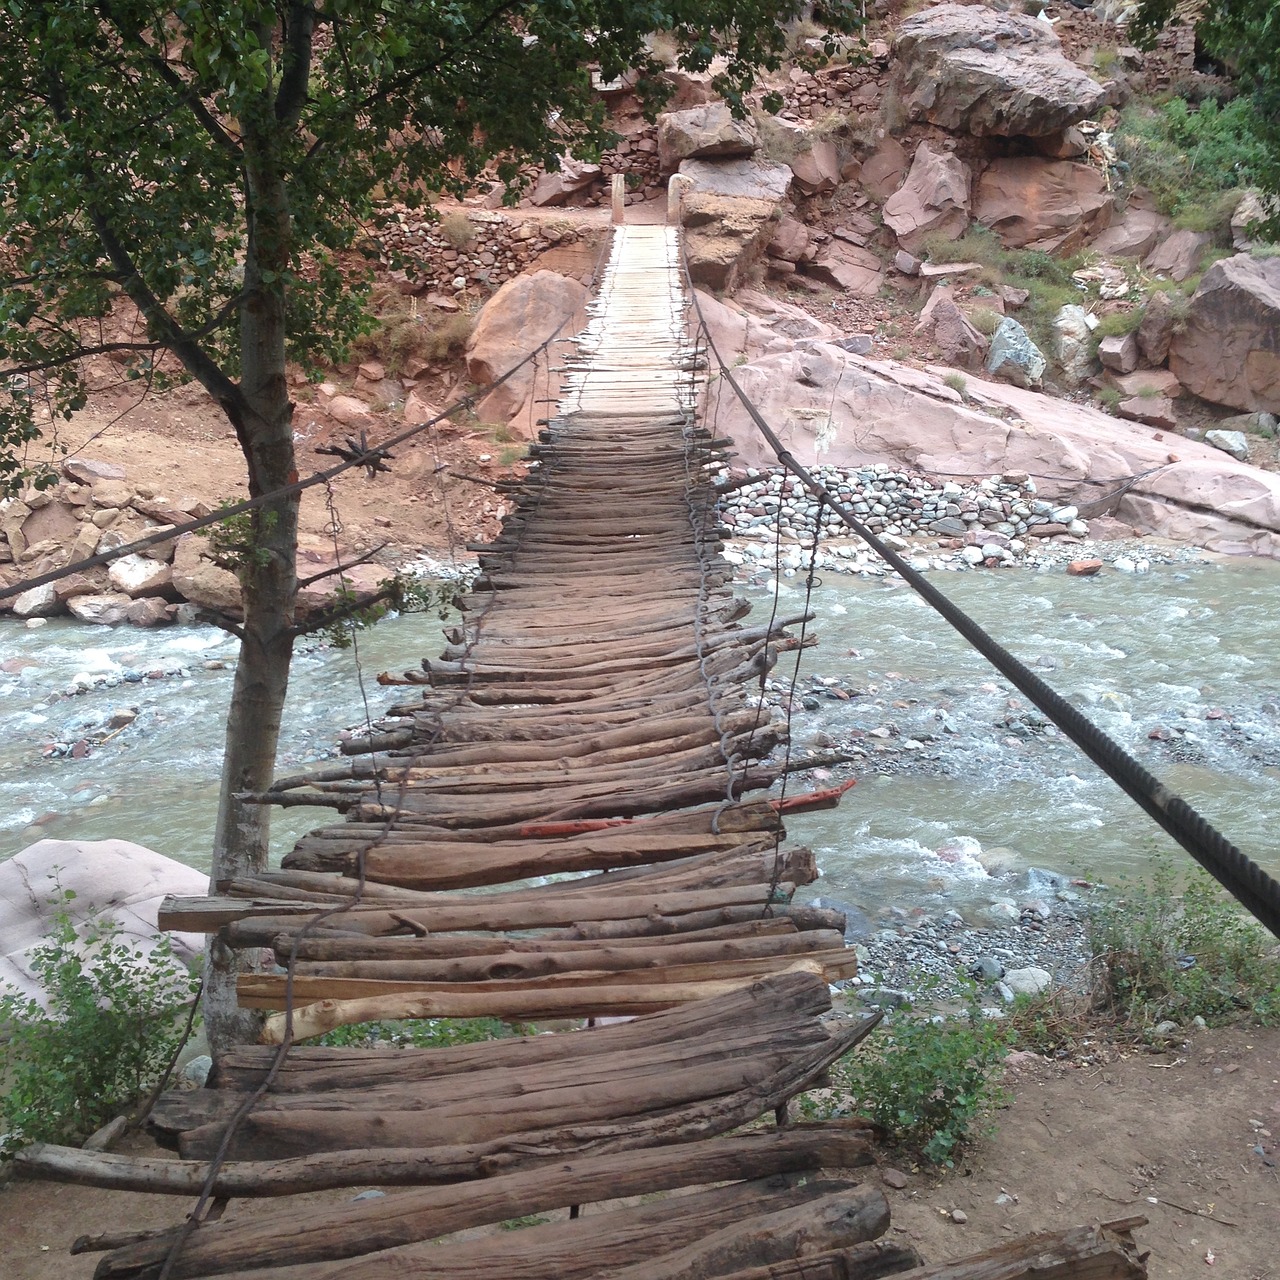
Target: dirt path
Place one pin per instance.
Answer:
(1078, 1144)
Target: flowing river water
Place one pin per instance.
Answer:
(1181, 665)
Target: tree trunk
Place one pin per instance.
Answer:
(264, 427)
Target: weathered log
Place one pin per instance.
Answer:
(841, 1219)
(766, 1006)
(516, 962)
(582, 1247)
(300, 1235)
(538, 1000)
(871, 1260)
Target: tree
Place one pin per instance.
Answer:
(1244, 37)
(210, 161)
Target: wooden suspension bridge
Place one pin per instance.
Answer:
(565, 822)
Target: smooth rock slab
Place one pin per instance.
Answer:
(109, 609)
(1028, 982)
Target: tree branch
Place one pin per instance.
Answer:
(296, 72)
(324, 618)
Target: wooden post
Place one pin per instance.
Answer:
(675, 193)
(617, 189)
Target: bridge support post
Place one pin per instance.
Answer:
(676, 185)
(617, 190)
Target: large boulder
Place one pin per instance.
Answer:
(522, 315)
(1155, 333)
(1229, 351)
(724, 236)
(1134, 235)
(139, 576)
(705, 131)
(1074, 348)
(107, 610)
(935, 197)
(198, 579)
(816, 170)
(1042, 204)
(848, 268)
(974, 70)
(574, 177)
(750, 179)
(1013, 357)
(1178, 255)
(110, 878)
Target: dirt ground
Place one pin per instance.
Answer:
(1174, 1137)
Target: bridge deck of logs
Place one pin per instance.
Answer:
(565, 820)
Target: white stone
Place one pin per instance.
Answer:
(139, 576)
(1029, 981)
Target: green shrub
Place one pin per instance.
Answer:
(1158, 956)
(108, 1033)
(421, 1033)
(930, 1082)
(401, 331)
(1109, 398)
(958, 383)
(1115, 324)
(1193, 160)
(985, 320)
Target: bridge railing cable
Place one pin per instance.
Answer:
(1247, 882)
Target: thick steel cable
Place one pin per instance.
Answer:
(1247, 882)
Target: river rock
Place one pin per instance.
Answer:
(1229, 351)
(108, 877)
(139, 576)
(974, 70)
(1073, 339)
(1013, 357)
(752, 179)
(81, 584)
(522, 315)
(1028, 982)
(1236, 443)
(1119, 352)
(934, 198)
(200, 581)
(1052, 205)
(704, 131)
(37, 602)
(108, 610)
(149, 611)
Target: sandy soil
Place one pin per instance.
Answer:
(1173, 1137)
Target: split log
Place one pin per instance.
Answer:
(299, 1235)
(871, 1260)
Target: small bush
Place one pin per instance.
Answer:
(457, 229)
(420, 1033)
(957, 382)
(109, 1031)
(1115, 324)
(1158, 956)
(985, 320)
(929, 1083)
(402, 332)
(1109, 398)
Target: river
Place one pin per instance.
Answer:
(959, 771)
